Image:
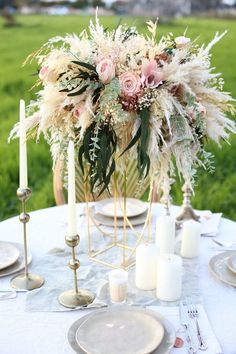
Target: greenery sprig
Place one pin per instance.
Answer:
(97, 149)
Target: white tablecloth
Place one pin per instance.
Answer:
(42, 333)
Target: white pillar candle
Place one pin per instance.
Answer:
(72, 230)
(165, 234)
(146, 265)
(23, 176)
(118, 281)
(191, 236)
(169, 277)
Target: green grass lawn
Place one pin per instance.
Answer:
(216, 192)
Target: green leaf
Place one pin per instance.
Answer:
(133, 141)
(77, 93)
(64, 90)
(80, 158)
(144, 160)
(85, 65)
(107, 180)
(144, 116)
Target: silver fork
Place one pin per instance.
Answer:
(224, 244)
(194, 314)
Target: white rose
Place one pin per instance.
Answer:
(182, 41)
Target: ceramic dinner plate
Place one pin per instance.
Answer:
(122, 329)
(108, 221)
(19, 264)
(120, 332)
(134, 207)
(231, 262)
(218, 265)
(8, 254)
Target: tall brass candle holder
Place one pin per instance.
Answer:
(75, 297)
(187, 211)
(25, 280)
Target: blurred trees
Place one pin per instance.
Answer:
(204, 5)
(80, 4)
(98, 3)
(7, 10)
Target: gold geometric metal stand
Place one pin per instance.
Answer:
(127, 252)
(75, 297)
(25, 280)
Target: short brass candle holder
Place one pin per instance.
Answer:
(75, 297)
(25, 280)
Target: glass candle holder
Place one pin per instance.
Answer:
(118, 281)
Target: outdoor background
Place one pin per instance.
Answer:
(215, 192)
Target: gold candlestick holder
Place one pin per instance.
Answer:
(75, 297)
(187, 211)
(25, 280)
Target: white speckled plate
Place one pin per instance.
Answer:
(19, 264)
(122, 329)
(107, 221)
(134, 207)
(8, 254)
(231, 262)
(218, 266)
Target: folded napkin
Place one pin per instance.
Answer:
(172, 314)
(210, 222)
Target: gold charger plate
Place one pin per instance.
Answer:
(164, 347)
(218, 266)
(8, 254)
(231, 262)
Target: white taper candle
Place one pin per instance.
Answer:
(72, 229)
(23, 175)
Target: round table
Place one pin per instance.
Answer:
(34, 332)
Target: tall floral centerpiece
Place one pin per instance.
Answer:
(120, 94)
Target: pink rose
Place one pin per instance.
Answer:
(202, 109)
(43, 72)
(152, 76)
(191, 113)
(181, 41)
(106, 70)
(130, 83)
(47, 75)
(77, 112)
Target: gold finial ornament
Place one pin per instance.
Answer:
(187, 212)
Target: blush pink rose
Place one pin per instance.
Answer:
(130, 83)
(106, 70)
(47, 75)
(202, 109)
(152, 76)
(43, 72)
(191, 113)
(77, 112)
